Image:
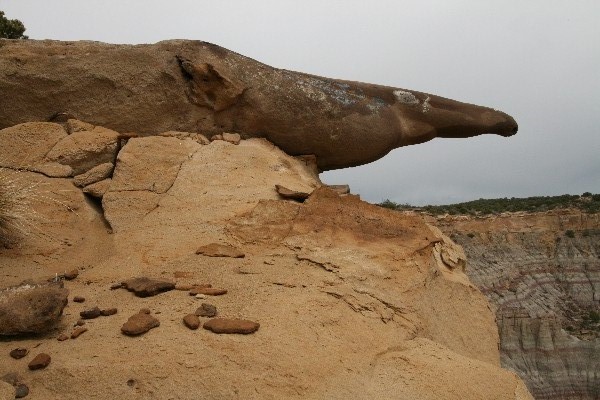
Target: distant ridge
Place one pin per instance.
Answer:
(587, 202)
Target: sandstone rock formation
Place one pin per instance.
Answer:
(198, 87)
(353, 301)
(543, 283)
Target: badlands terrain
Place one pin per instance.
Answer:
(541, 273)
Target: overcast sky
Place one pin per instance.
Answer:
(538, 60)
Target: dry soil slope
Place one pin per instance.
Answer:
(354, 301)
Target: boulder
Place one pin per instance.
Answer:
(85, 150)
(194, 86)
(26, 145)
(31, 308)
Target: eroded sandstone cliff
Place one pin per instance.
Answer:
(541, 272)
(354, 301)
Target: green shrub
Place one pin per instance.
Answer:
(570, 233)
(11, 28)
(388, 204)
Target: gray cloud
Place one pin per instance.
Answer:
(536, 60)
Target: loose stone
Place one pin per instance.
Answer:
(40, 361)
(191, 321)
(91, 313)
(206, 310)
(108, 311)
(19, 352)
(146, 287)
(78, 331)
(138, 324)
(208, 291)
(21, 390)
(223, 325)
(71, 274)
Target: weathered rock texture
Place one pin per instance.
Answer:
(198, 87)
(354, 301)
(31, 308)
(541, 273)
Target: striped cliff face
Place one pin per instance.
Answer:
(199, 87)
(541, 272)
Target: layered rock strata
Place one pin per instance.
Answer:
(541, 273)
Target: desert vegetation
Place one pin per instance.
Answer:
(16, 213)
(587, 202)
(11, 28)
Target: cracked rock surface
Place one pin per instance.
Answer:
(353, 300)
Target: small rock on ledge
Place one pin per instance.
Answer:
(146, 287)
(224, 325)
(139, 323)
(40, 361)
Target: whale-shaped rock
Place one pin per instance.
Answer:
(194, 86)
